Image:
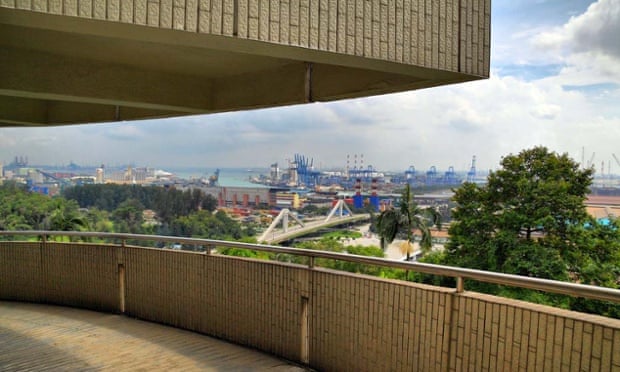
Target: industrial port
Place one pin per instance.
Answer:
(296, 184)
(301, 173)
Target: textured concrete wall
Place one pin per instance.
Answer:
(61, 273)
(83, 276)
(451, 35)
(252, 303)
(369, 324)
(498, 334)
(353, 322)
(21, 272)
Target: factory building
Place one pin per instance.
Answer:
(289, 200)
(237, 196)
(130, 176)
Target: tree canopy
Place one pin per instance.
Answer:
(115, 208)
(22, 210)
(525, 219)
(169, 203)
(530, 219)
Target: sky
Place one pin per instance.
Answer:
(555, 82)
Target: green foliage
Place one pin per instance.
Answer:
(206, 225)
(404, 219)
(522, 218)
(329, 245)
(309, 209)
(313, 210)
(530, 219)
(168, 203)
(437, 258)
(247, 253)
(23, 210)
(332, 245)
(347, 234)
(128, 217)
(180, 213)
(538, 297)
(99, 220)
(355, 267)
(65, 216)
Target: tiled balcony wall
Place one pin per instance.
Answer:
(330, 320)
(451, 35)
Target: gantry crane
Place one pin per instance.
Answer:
(616, 159)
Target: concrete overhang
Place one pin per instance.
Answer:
(57, 69)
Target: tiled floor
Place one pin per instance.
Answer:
(41, 337)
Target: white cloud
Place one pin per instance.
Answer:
(7, 140)
(442, 127)
(587, 44)
(597, 29)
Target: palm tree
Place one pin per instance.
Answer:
(65, 217)
(405, 219)
(65, 220)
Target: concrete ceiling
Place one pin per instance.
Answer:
(57, 70)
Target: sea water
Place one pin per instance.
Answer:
(229, 177)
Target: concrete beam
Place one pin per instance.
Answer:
(281, 86)
(39, 75)
(20, 111)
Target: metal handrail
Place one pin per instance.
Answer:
(553, 286)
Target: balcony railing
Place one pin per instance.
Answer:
(327, 319)
(209, 245)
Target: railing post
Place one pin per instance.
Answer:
(305, 331)
(121, 288)
(460, 284)
(208, 249)
(311, 262)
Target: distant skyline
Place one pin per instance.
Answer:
(555, 81)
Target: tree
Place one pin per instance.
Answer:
(523, 220)
(21, 209)
(128, 216)
(167, 203)
(207, 225)
(530, 219)
(65, 217)
(404, 220)
(599, 264)
(99, 220)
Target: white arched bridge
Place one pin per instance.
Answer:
(339, 215)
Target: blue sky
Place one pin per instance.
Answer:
(555, 81)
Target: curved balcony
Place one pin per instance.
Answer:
(38, 337)
(325, 319)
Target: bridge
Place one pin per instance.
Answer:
(340, 214)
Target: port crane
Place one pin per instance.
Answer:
(471, 175)
(591, 161)
(616, 159)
